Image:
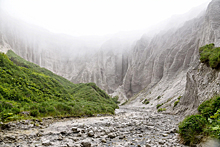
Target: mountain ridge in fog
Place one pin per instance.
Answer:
(155, 63)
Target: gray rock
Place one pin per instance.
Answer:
(46, 143)
(173, 130)
(121, 136)
(86, 144)
(161, 142)
(103, 140)
(75, 130)
(165, 135)
(90, 133)
(76, 145)
(112, 135)
(63, 132)
(107, 131)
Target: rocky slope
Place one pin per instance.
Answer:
(157, 65)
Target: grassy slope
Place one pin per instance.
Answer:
(26, 87)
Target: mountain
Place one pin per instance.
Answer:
(159, 65)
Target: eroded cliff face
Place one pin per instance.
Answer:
(202, 81)
(181, 73)
(125, 64)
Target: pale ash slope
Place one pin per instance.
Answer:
(181, 73)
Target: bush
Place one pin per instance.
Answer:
(179, 97)
(124, 102)
(34, 113)
(145, 102)
(210, 55)
(159, 105)
(190, 127)
(161, 109)
(209, 107)
(15, 110)
(115, 99)
(206, 124)
(175, 103)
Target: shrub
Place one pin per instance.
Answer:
(124, 102)
(145, 102)
(216, 104)
(34, 113)
(115, 99)
(15, 110)
(190, 127)
(206, 124)
(175, 103)
(209, 107)
(210, 55)
(159, 105)
(161, 109)
(89, 113)
(158, 97)
(179, 97)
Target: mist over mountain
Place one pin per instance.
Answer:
(137, 64)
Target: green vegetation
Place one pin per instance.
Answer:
(210, 55)
(145, 102)
(158, 97)
(159, 105)
(124, 102)
(161, 109)
(28, 91)
(190, 127)
(207, 123)
(175, 103)
(115, 99)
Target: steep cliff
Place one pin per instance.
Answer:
(175, 67)
(202, 81)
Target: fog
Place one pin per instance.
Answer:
(97, 17)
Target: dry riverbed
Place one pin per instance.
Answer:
(135, 127)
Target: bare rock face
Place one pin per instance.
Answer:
(202, 81)
(157, 64)
(172, 69)
(107, 67)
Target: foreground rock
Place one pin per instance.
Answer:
(130, 127)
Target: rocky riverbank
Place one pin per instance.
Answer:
(129, 127)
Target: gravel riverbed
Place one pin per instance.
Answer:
(134, 127)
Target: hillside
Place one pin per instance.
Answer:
(27, 90)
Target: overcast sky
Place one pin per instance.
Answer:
(97, 17)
